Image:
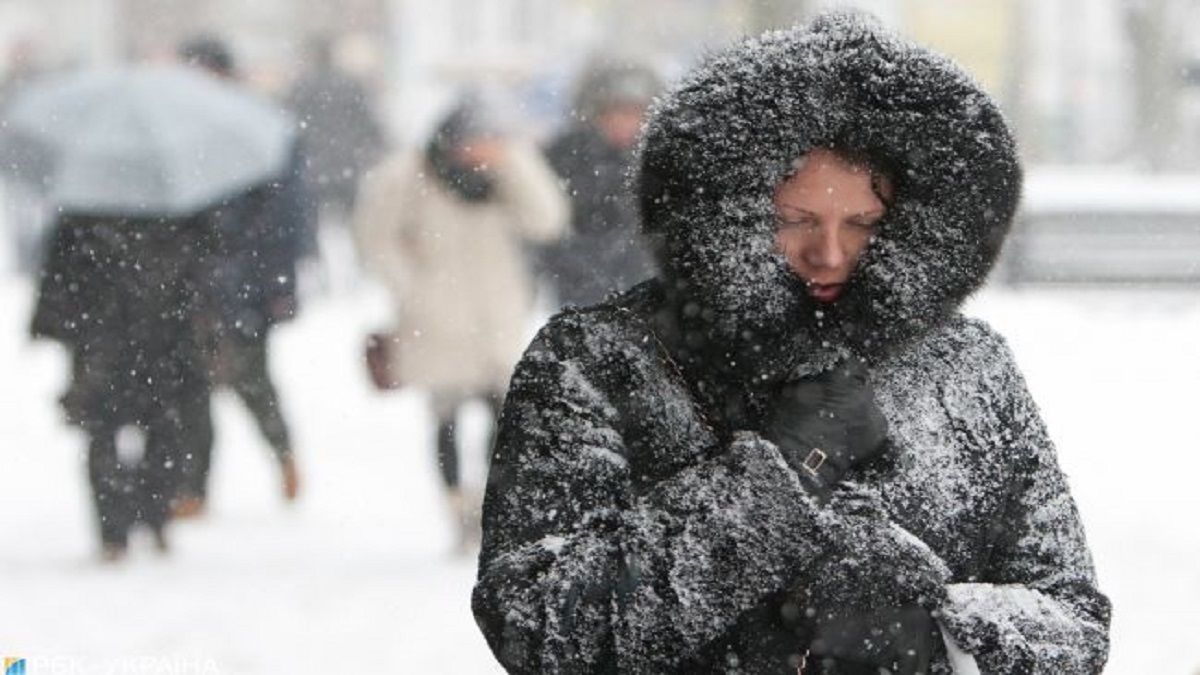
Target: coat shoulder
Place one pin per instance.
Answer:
(966, 345)
(978, 385)
(610, 348)
(968, 367)
(604, 329)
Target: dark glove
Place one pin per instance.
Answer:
(901, 640)
(869, 562)
(828, 424)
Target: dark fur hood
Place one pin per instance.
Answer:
(717, 145)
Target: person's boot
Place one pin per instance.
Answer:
(456, 501)
(291, 479)
(111, 554)
(474, 522)
(465, 514)
(161, 545)
(185, 507)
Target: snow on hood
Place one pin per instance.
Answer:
(716, 146)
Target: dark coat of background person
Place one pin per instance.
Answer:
(341, 135)
(605, 251)
(249, 286)
(636, 520)
(122, 295)
(260, 237)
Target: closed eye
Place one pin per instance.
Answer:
(795, 223)
(867, 220)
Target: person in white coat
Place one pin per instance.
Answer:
(444, 228)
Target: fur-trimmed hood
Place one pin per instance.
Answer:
(715, 148)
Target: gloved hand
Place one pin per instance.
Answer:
(827, 424)
(869, 562)
(901, 640)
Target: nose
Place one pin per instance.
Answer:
(824, 249)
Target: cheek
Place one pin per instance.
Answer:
(855, 243)
(791, 247)
(787, 244)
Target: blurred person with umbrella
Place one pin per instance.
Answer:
(444, 230)
(134, 158)
(251, 287)
(604, 251)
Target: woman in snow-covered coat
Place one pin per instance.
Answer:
(444, 229)
(791, 450)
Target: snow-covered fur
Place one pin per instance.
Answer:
(637, 521)
(715, 149)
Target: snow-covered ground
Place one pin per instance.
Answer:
(1117, 375)
(358, 578)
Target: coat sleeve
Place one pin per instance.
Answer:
(1040, 610)
(580, 573)
(381, 219)
(531, 191)
(274, 233)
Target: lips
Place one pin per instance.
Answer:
(825, 292)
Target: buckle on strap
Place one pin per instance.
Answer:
(814, 461)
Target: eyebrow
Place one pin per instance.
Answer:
(870, 214)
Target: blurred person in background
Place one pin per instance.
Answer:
(249, 288)
(444, 229)
(342, 137)
(341, 134)
(121, 294)
(604, 251)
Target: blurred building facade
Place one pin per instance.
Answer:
(1085, 81)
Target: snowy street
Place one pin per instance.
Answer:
(358, 578)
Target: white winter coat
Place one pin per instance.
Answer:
(455, 269)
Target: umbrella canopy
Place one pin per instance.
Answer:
(143, 140)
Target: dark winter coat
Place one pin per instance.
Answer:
(340, 132)
(637, 521)
(122, 295)
(259, 237)
(605, 251)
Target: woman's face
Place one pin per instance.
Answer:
(826, 214)
(621, 124)
(480, 153)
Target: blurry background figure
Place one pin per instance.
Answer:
(120, 294)
(341, 138)
(250, 286)
(604, 251)
(444, 230)
(133, 159)
(24, 207)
